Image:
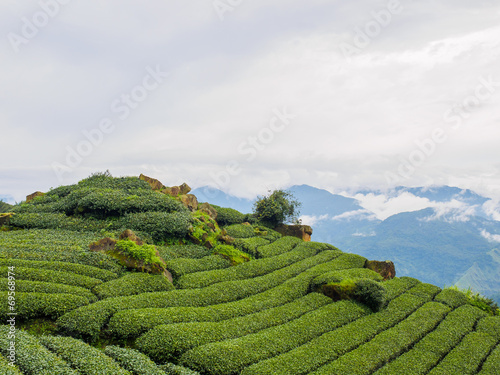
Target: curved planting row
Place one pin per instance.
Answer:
(26, 286)
(328, 347)
(89, 320)
(432, 348)
(258, 267)
(184, 266)
(166, 342)
(131, 323)
(388, 344)
(133, 283)
(280, 246)
(250, 245)
(232, 356)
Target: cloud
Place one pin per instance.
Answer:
(452, 211)
(490, 237)
(492, 209)
(355, 215)
(312, 220)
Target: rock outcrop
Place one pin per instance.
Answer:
(303, 232)
(30, 197)
(385, 268)
(153, 182)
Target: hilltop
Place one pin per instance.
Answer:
(129, 276)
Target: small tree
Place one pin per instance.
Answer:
(276, 208)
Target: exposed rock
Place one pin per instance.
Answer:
(209, 210)
(228, 240)
(173, 191)
(5, 218)
(30, 197)
(184, 188)
(190, 201)
(153, 182)
(303, 232)
(131, 236)
(386, 269)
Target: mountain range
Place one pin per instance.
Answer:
(452, 237)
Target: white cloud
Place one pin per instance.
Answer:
(490, 237)
(452, 211)
(312, 220)
(355, 215)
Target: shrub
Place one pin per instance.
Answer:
(83, 357)
(26, 286)
(250, 245)
(228, 216)
(231, 253)
(133, 283)
(425, 290)
(338, 276)
(32, 357)
(183, 251)
(34, 305)
(39, 274)
(247, 270)
(328, 347)
(467, 356)
(160, 225)
(365, 291)
(490, 325)
(397, 286)
(240, 231)
(56, 221)
(172, 369)
(492, 364)
(280, 246)
(451, 297)
(277, 208)
(388, 344)
(89, 320)
(133, 361)
(145, 253)
(182, 266)
(432, 348)
(79, 269)
(232, 356)
(6, 367)
(166, 342)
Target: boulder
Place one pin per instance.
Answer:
(184, 188)
(30, 197)
(386, 268)
(303, 232)
(131, 236)
(173, 191)
(190, 201)
(153, 182)
(209, 210)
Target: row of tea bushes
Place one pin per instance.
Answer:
(429, 351)
(26, 286)
(132, 284)
(388, 344)
(184, 266)
(328, 347)
(167, 342)
(232, 356)
(280, 246)
(89, 320)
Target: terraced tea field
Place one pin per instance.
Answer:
(82, 312)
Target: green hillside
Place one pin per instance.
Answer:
(4, 207)
(201, 289)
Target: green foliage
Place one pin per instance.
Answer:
(35, 305)
(180, 267)
(250, 245)
(490, 325)
(160, 225)
(388, 344)
(451, 297)
(397, 286)
(172, 369)
(81, 356)
(232, 356)
(305, 358)
(429, 351)
(133, 283)
(183, 251)
(365, 291)
(89, 320)
(492, 364)
(133, 361)
(32, 357)
(145, 253)
(231, 253)
(56, 220)
(4, 207)
(166, 342)
(280, 246)
(467, 356)
(276, 208)
(228, 216)
(240, 231)
(338, 276)
(243, 271)
(6, 367)
(26, 286)
(425, 290)
(78, 269)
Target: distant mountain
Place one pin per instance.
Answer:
(219, 198)
(443, 245)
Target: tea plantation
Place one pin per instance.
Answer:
(219, 293)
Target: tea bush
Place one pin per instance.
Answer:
(451, 297)
(250, 245)
(183, 251)
(228, 216)
(166, 342)
(133, 361)
(81, 356)
(240, 231)
(32, 357)
(131, 284)
(181, 267)
(160, 225)
(280, 246)
(26, 286)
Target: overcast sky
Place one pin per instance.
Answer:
(251, 95)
